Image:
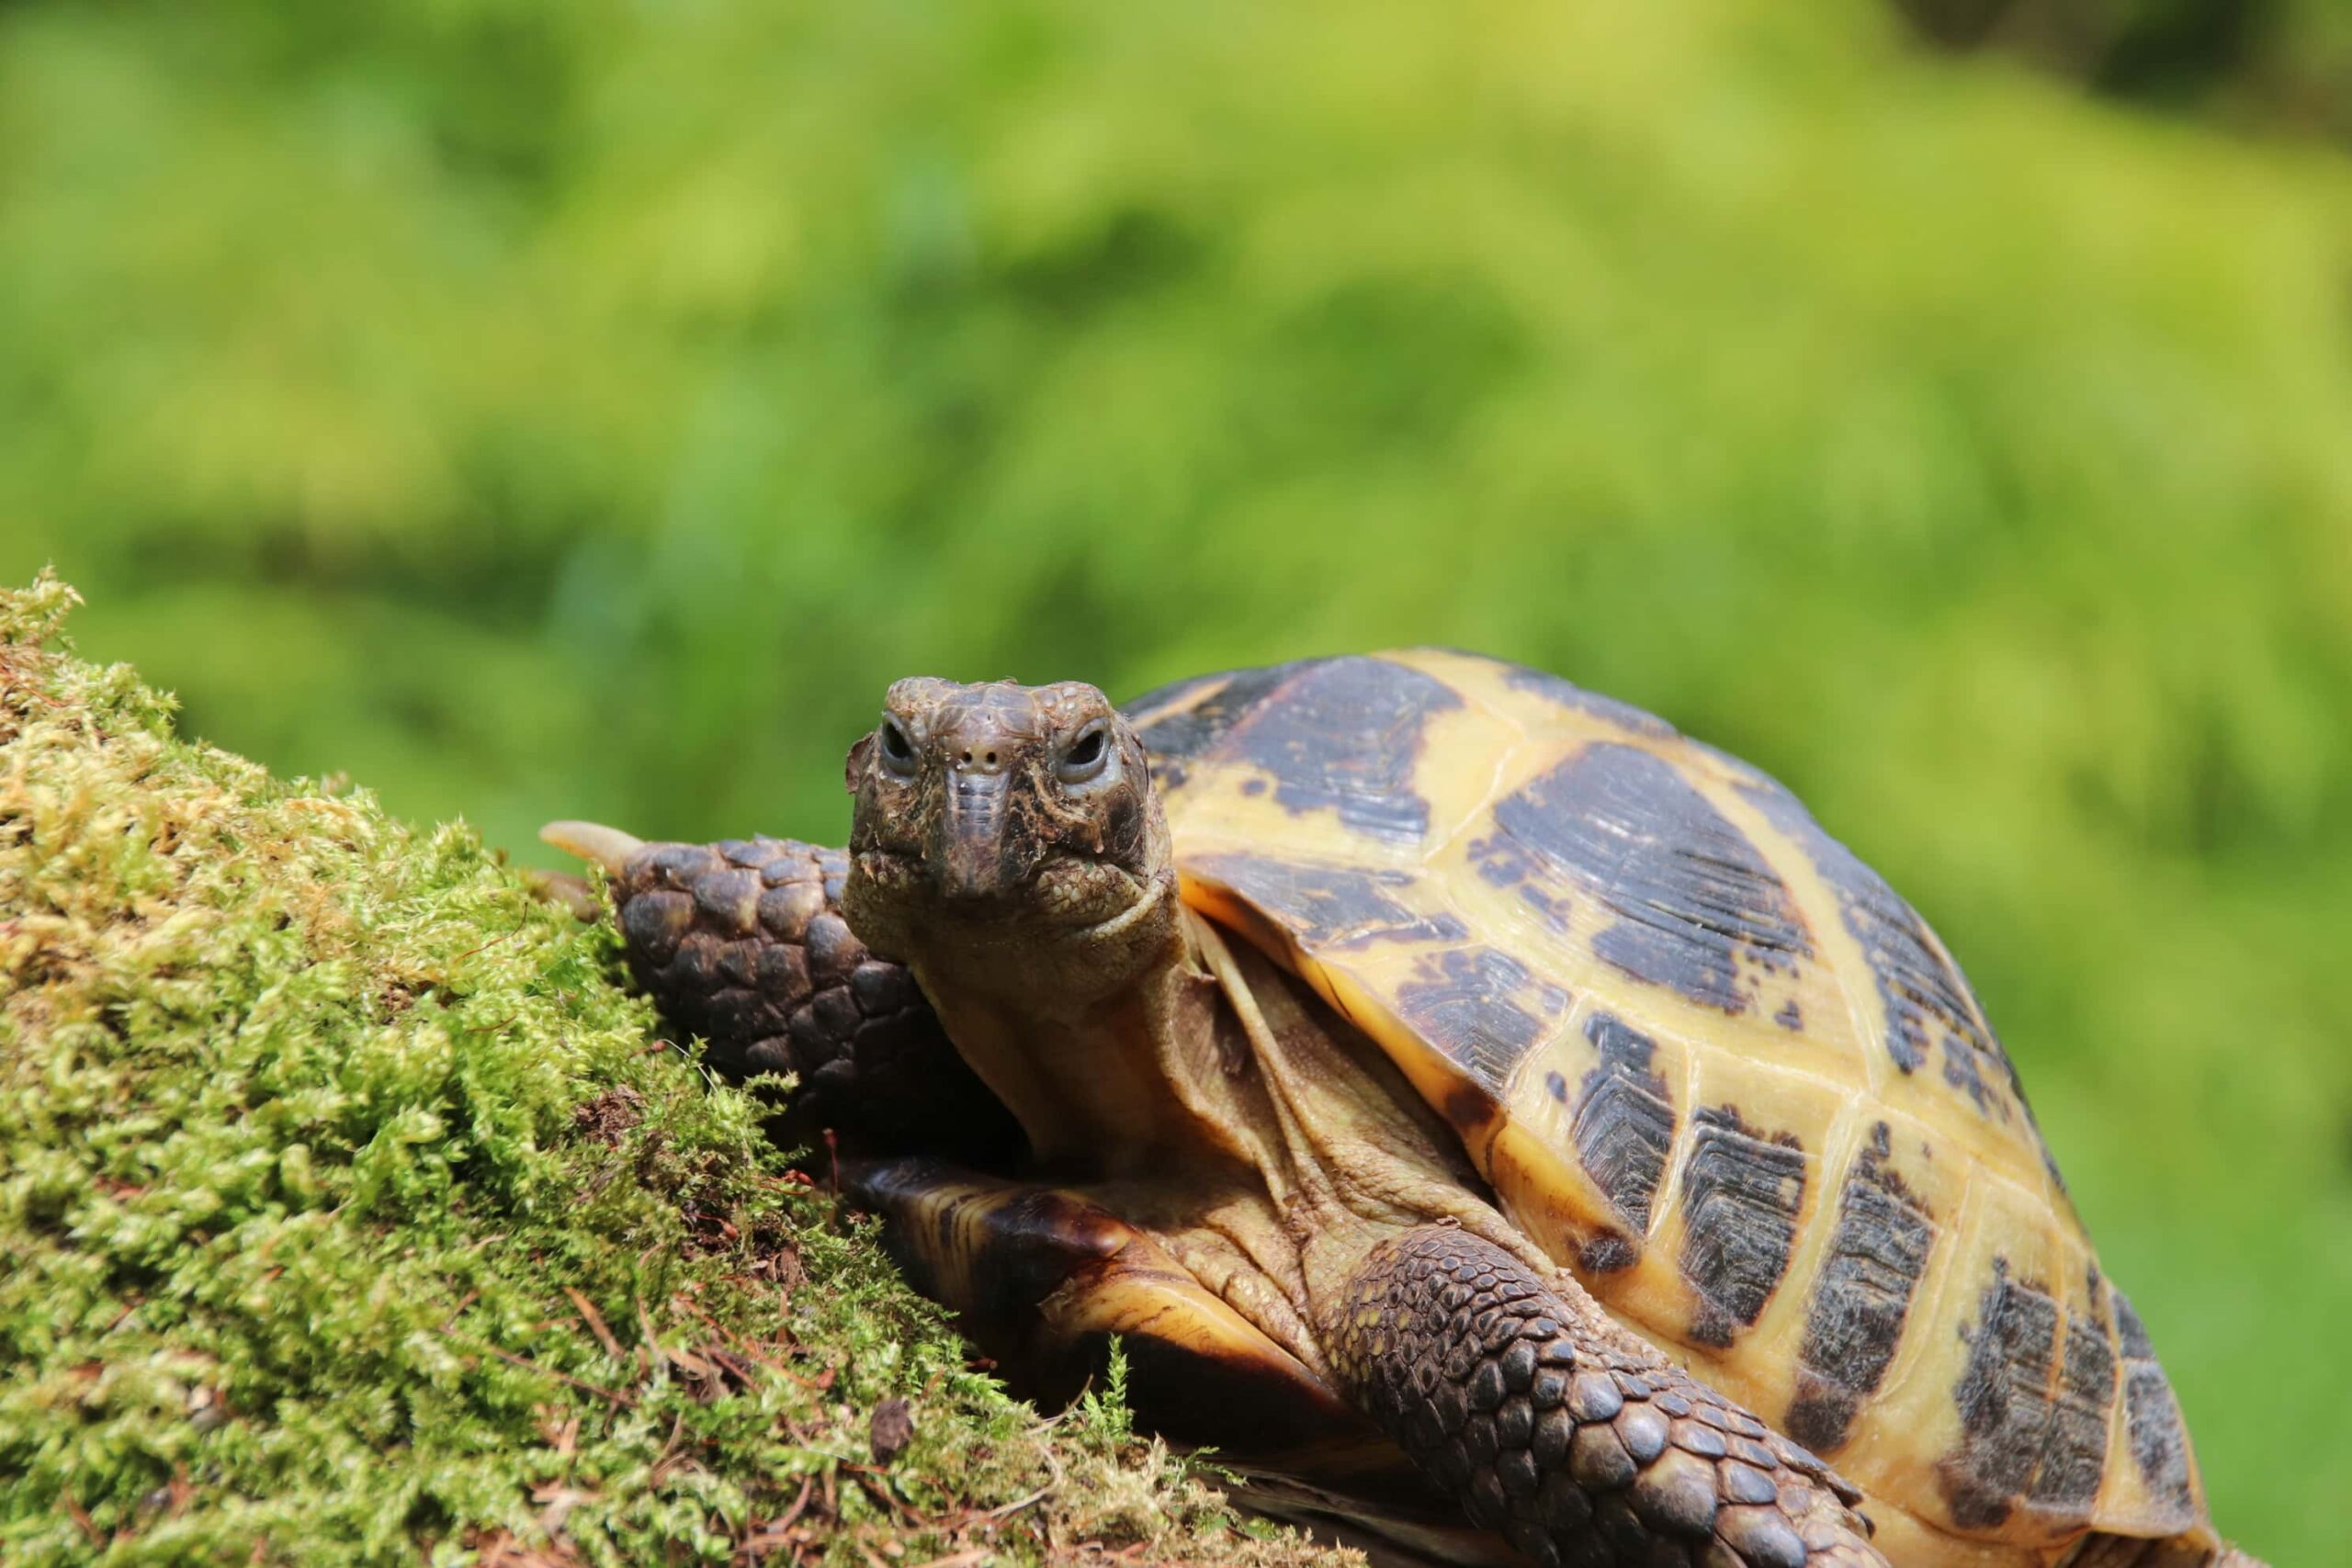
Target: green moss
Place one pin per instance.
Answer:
(352, 1216)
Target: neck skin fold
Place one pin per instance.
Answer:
(1101, 1043)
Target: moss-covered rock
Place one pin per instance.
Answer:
(350, 1215)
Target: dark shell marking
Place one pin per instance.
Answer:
(2151, 1415)
(1330, 905)
(1344, 735)
(1623, 1125)
(2004, 1399)
(1178, 722)
(1691, 900)
(1467, 1003)
(1741, 1192)
(2074, 1461)
(1861, 1299)
(2021, 1439)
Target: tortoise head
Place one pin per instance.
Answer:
(997, 813)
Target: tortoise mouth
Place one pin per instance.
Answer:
(1065, 891)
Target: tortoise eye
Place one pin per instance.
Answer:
(1086, 757)
(898, 752)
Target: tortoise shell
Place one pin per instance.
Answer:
(1707, 1059)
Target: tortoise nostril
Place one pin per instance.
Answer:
(981, 754)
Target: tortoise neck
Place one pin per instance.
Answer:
(1096, 1045)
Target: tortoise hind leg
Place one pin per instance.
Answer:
(1556, 1427)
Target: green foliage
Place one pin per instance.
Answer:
(587, 411)
(2282, 66)
(351, 1218)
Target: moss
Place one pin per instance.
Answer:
(352, 1216)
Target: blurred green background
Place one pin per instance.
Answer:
(585, 411)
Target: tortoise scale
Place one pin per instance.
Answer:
(1493, 1119)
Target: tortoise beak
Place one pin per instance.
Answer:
(973, 859)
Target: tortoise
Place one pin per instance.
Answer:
(1483, 1112)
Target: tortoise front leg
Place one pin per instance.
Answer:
(742, 943)
(1555, 1427)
